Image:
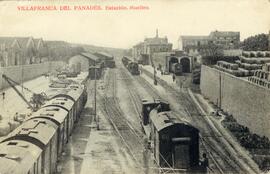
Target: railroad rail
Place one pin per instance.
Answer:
(136, 100)
(130, 136)
(221, 156)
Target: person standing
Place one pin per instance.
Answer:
(173, 77)
(3, 93)
(204, 163)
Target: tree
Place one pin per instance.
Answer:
(210, 53)
(255, 43)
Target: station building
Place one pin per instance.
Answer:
(150, 46)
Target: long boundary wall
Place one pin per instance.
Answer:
(247, 102)
(23, 73)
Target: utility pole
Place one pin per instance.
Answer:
(155, 78)
(220, 90)
(95, 96)
(22, 77)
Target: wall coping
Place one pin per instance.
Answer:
(237, 78)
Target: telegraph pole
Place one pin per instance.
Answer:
(220, 90)
(95, 96)
(22, 77)
(155, 78)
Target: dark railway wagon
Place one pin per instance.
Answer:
(110, 63)
(98, 73)
(176, 143)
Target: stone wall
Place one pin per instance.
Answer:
(27, 72)
(247, 102)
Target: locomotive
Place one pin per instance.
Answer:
(176, 68)
(37, 144)
(175, 142)
(132, 67)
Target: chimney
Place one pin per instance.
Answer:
(156, 33)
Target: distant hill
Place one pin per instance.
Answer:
(61, 50)
(116, 52)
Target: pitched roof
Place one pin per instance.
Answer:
(90, 56)
(23, 41)
(38, 42)
(105, 54)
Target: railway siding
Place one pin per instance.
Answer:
(131, 137)
(242, 163)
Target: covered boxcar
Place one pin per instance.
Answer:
(17, 156)
(60, 117)
(175, 142)
(42, 133)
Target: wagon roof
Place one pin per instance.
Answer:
(52, 92)
(164, 120)
(18, 156)
(39, 131)
(63, 101)
(54, 113)
(75, 93)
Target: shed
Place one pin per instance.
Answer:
(104, 56)
(93, 59)
(82, 60)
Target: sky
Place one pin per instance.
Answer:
(125, 28)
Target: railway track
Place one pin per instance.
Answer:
(131, 137)
(136, 100)
(212, 141)
(155, 94)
